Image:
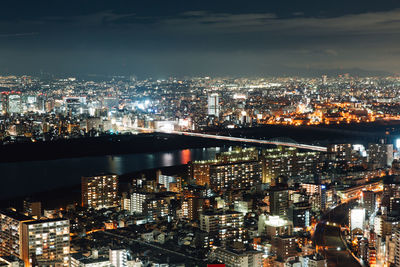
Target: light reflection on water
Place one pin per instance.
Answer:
(22, 178)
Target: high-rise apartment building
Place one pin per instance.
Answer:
(10, 232)
(213, 221)
(45, 243)
(240, 175)
(100, 191)
(278, 201)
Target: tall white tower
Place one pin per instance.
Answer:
(213, 105)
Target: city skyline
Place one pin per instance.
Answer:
(199, 133)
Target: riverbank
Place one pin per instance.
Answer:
(156, 142)
(62, 196)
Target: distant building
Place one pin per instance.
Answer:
(213, 105)
(100, 191)
(14, 103)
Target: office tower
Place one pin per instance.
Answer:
(380, 155)
(239, 175)
(100, 191)
(213, 105)
(357, 219)
(118, 257)
(33, 208)
(278, 201)
(10, 232)
(45, 242)
(368, 201)
(14, 103)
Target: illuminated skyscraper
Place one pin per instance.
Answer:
(100, 191)
(213, 105)
(14, 103)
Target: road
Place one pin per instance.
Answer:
(237, 139)
(154, 246)
(328, 238)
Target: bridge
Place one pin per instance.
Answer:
(237, 139)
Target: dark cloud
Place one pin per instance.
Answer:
(199, 37)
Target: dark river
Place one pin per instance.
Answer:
(23, 178)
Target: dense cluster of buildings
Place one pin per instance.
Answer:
(34, 109)
(247, 207)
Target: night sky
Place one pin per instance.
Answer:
(163, 38)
